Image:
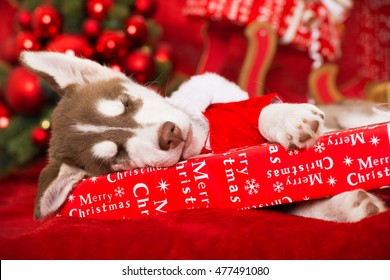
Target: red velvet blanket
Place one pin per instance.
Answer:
(191, 234)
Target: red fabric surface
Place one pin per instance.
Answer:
(191, 234)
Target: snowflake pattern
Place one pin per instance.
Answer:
(374, 140)
(348, 161)
(293, 152)
(252, 186)
(93, 179)
(306, 198)
(331, 181)
(71, 198)
(278, 187)
(163, 186)
(319, 147)
(119, 192)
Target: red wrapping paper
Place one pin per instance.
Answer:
(244, 178)
(292, 19)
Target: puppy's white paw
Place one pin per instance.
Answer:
(355, 205)
(292, 125)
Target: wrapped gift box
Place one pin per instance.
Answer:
(295, 21)
(244, 178)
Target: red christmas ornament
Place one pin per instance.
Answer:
(8, 50)
(147, 8)
(23, 20)
(23, 92)
(46, 22)
(163, 53)
(136, 29)
(98, 9)
(4, 115)
(112, 45)
(92, 28)
(140, 65)
(40, 137)
(72, 45)
(26, 41)
(116, 67)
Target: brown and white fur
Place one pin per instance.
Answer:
(105, 122)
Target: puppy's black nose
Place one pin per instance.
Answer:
(169, 136)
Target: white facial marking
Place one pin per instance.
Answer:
(105, 149)
(110, 108)
(86, 128)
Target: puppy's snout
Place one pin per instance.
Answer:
(169, 136)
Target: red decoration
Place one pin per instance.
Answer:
(116, 67)
(140, 65)
(23, 92)
(92, 28)
(46, 22)
(146, 8)
(111, 45)
(245, 178)
(23, 20)
(136, 29)
(163, 53)
(71, 44)
(40, 137)
(8, 50)
(4, 115)
(98, 9)
(26, 41)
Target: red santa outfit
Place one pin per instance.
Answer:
(236, 124)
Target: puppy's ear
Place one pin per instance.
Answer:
(61, 70)
(55, 183)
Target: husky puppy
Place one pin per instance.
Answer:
(105, 122)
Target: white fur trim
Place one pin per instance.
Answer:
(196, 94)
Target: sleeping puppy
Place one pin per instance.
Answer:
(105, 122)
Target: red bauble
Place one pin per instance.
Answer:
(136, 29)
(8, 50)
(111, 45)
(26, 41)
(23, 92)
(116, 67)
(91, 28)
(71, 44)
(23, 20)
(40, 137)
(140, 65)
(98, 9)
(46, 22)
(163, 53)
(146, 8)
(4, 115)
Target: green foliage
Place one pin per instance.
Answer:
(74, 13)
(117, 16)
(15, 141)
(28, 5)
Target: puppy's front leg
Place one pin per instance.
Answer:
(292, 125)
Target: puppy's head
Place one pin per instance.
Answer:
(104, 122)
